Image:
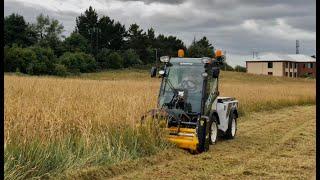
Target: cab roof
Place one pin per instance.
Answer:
(194, 61)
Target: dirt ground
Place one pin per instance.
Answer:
(278, 144)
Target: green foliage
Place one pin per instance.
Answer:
(111, 34)
(226, 67)
(168, 45)
(130, 58)
(60, 70)
(87, 25)
(240, 69)
(78, 62)
(50, 33)
(44, 62)
(32, 60)
(17, 31)
(114, 61)
(103, 39)
(76, 43)
(18, 58)
(201, 48)
(102, 58)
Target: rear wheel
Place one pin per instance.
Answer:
(213, 132)
(232, 127)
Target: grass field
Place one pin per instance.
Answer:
(69, 127)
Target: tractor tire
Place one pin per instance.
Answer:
(232, 127)
(213, 130)
(204, 138)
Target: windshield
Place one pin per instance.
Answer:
(186, 77)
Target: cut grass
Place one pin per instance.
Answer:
(58, 124)
(276, 144)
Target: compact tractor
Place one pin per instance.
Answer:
(189, 105)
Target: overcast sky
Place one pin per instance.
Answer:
(236, 26)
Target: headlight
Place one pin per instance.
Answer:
(164, 59)
(205, 60)
(161, 72)
(204, 74)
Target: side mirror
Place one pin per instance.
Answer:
(153, 72)
(215, 72)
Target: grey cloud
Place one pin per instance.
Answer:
(303, 22)
(68, 18)
(158, 1)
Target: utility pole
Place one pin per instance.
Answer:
(225, 60)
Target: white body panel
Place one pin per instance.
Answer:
(223, 109)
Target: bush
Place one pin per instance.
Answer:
(102, 58)
(18, 58)
(226, 67)
(114, 61)
(240, 69)
(60, 70)
(78, 62)
(32, 60)
(44, 63)
(130, 58)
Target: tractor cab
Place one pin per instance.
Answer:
(188, 99)
(184, 86)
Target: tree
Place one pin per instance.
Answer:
(87, 26)
(17, 31)
(168, 46)
(138, 41)
(76, 43)
(50, 33)
(201, 48)
(111, 34)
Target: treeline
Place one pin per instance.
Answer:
(97, 43)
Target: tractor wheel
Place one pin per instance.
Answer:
(232, 127)
(213, 131)
(204, 138)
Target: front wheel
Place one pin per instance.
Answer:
(232, 127)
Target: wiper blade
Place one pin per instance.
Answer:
(171, 86)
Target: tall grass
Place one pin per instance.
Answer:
(55, 124)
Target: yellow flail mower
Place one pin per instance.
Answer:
(189, 107)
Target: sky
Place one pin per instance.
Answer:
(238, 27)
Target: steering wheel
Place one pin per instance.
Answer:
(188, 84)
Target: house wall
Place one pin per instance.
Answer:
(290, 69)
(303, 68)
(262, 68)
